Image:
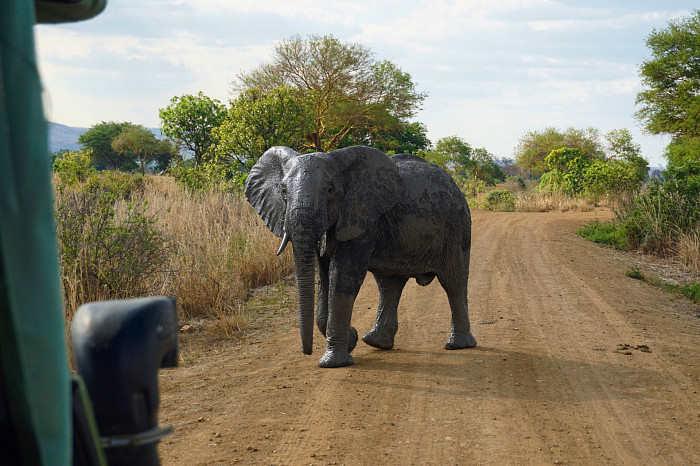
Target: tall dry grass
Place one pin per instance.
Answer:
(533, 201)
(221, 250)
(217, 250)
(687, 250)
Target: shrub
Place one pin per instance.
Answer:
(108, 250)
(122, 185)
(500, 200)
(209, 176)
(667, 211)
(72, 167)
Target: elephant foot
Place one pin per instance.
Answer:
(460, 341)
(378, 339)
(352, 339)
(336, 358)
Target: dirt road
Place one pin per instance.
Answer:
(576, 364)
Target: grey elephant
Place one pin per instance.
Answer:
(356, 210)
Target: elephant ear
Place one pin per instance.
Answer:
(371, 186)
(263, 190)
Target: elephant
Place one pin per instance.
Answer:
(355, 210)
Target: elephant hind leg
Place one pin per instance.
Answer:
(382, 334)
(460, 334)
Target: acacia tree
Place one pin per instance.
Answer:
(347, 87)
(189, 121)
(140, 142)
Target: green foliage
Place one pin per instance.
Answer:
(666, 210)
(211, 175)
(189, 121)
(515, 183)
(464, 163)
(106, 254)
(123, 186)
(566, 171)
(573, 173)
(140, 142)
(257, 121)
(609, 233)
(500, 201)
(635, 272)
(348, 89)
(98, 139)
(392, 136)
(670, 104)
(53, 155)
(682, 151)
(535, 146)
(72, 167)
(690, 291)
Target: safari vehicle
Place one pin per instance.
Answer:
(107, 413)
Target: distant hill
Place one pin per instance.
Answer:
(66, 137)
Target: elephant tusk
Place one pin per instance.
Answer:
(285, 240)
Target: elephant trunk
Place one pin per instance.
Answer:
(305, 240)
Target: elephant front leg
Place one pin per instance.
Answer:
(347, 271)
(338, 333)
(382, 334)
(323, 296)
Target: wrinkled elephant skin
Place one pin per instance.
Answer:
(355, 210)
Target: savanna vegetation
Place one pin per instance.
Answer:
(191, 234)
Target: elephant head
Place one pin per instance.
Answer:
(302, 196)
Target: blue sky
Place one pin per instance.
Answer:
(493, 70)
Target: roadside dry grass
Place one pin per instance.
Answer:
(218, 252)
(222, 251)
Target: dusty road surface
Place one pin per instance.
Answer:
(576, 364)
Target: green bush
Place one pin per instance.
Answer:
(609, 233)
(121, 185)
(500, 200)
(208, 176)
(109, 248)
(72, 168)
(667, 210)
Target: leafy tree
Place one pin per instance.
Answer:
(140, 142)
(452, 153)
(189, 120)
(535, 146)
(566, 167)
(463, 162)
(257, 121)
(670, 104)
(394, 137)
(348, 88)
(98, 139)
(621, 148)
(682, 151)
(485, 167)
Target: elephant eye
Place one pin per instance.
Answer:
(284, 193)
